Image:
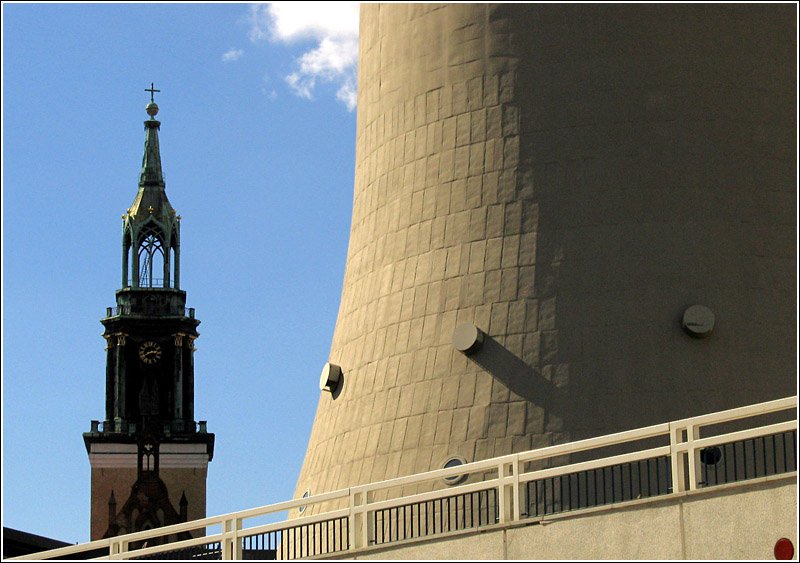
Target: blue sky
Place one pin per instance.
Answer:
(257, 143)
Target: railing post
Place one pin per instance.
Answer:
(231, 544)
(505, 491)
(676, 458)
(358, 526)
(516, 491)
(692, 434)
(115, 548)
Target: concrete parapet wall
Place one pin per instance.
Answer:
(737, 521)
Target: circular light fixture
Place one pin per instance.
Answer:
(698, 321)
(784, 549)
(330, 377)
(454, 461)
(467, 338)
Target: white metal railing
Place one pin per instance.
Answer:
(507, 475)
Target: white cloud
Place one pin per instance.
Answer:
(333, 26)
(232, 55)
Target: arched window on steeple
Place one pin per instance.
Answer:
(151, 261)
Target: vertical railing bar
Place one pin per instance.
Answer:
(419, 519)
(613, 488)
(594, 480)
(622, 481)
(463, 511)
(496, 507)
(569, 492)
(639, 477)
(449, 513)
(605, 488)
(726, 463)
(655, 474)
(471, 509)
(544, 496)
(658, 477)
(774, 456)
(783, 447)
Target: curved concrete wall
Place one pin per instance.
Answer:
(569, 179)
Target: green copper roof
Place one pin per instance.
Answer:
(151, 161)
(151, 201)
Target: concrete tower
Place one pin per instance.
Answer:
(149, 458)
(607, 192)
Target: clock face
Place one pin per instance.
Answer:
(150, 352)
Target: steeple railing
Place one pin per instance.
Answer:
(154, 309)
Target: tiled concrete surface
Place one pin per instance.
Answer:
(568, 178)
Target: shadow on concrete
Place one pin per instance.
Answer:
(516, 375)
(335, 394)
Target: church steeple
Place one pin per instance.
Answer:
(151, 227)
(149, 416)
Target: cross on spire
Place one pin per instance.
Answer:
(152, 91)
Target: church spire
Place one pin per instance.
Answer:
(151, 161)
(151, 228)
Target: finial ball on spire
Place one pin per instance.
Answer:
(152, 107)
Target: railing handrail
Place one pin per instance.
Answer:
(510, 475)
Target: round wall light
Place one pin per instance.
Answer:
(698, 321)
(467, 338)
(710, 456)
(330, 377)
(454, 461)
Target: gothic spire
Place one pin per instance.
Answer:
(151, 161)
(151, 227)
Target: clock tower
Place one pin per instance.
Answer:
(149, 454)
